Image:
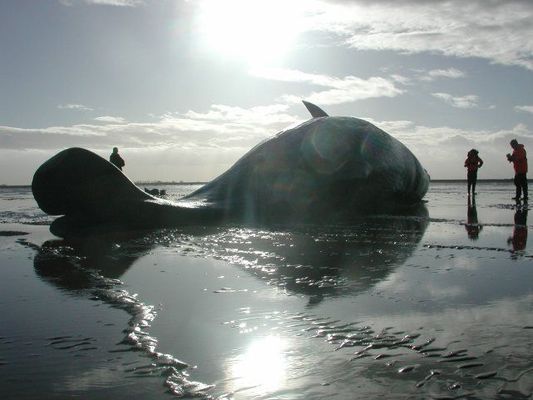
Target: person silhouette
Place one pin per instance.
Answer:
(519, 160)
(116, 160)
(472, 225)
(472, 164)
(519, 238)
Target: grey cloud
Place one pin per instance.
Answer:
(528, 109)
(452, 73)
(220, 126)
(499, 31)
(338, 90)
(110, 119)
(442, 150)
(117, 3)
(455, 3)
(468, 101)
(78, 107)
(199, 146)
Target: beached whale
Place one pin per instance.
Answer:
(324, 170)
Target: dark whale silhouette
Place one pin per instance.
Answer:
(324, 170)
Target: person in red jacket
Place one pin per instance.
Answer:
(519, 160)
(472, 164)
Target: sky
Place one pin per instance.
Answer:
(184, 88)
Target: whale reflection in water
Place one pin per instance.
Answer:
(319, 261)
(312, 260)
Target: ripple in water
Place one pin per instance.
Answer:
(60, 261)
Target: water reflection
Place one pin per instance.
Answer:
(316, 261)
(322, 261)
(90, 267)
(519, 238)
(262, 366)
(472, 226)
(72, 264)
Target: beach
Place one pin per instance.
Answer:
(437, 304)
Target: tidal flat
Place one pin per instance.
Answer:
(432, 305)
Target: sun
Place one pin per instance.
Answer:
(257, 31)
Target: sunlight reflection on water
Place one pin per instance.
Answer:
(410, 307)
(262, 365)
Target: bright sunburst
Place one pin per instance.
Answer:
(257, 31)
(262, 366)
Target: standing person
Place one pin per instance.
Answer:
(472, 163)
(116, 160)
(519, 160)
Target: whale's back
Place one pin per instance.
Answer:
(324, 163)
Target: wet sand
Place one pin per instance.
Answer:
(432, 306)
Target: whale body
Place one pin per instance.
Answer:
(323, 170)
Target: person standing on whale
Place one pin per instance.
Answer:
(519, 160)
(116, 160)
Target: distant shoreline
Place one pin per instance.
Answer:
(169, 183)
(136, 183)
(507, 180)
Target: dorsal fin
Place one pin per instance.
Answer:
(316, 111)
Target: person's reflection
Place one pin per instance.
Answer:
(519, 238)
(472, 225)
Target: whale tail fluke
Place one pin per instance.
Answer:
(314, 110)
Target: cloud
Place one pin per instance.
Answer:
(468, 101)
(442, 149)
(452, 73)
(528, 109)
(339, 90)
(220, 126)
(261, 115)
(118, 3)
(200, 145)
(110, 119)
(176, 146)
(79, 107)
(499, 31)
(400, 79)
(190, 146)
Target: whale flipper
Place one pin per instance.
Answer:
(316, 111)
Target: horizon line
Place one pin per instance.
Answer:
(151, 183)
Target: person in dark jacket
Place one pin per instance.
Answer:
(472, 164)
(519, 160)
(116, 160)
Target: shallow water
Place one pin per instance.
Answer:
(436, 305)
